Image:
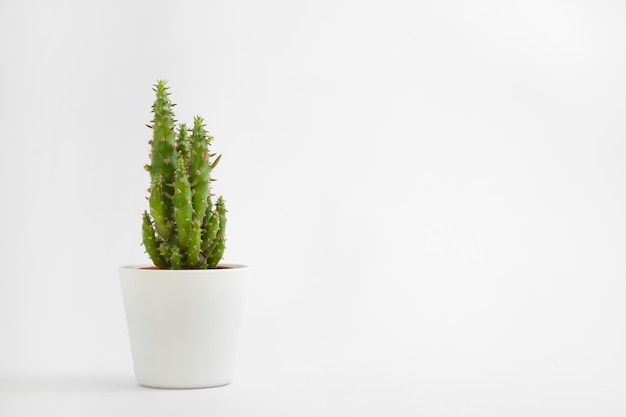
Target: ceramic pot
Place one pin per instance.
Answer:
(183, 324)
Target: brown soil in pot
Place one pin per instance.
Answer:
(159, 269)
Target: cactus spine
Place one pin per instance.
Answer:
(183, 230)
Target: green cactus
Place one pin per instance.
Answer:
(182, 230)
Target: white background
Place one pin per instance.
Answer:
(431, 193)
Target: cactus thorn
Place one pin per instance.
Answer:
(214, 164)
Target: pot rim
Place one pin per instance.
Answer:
(153, 269)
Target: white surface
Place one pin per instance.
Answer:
(183, 326)
(431, 195)
(324, 393)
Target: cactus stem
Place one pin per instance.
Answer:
(182, 230)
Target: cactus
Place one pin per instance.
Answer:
(182, 230)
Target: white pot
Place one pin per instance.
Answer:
(183, 324)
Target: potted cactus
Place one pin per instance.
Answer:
(183, 312)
